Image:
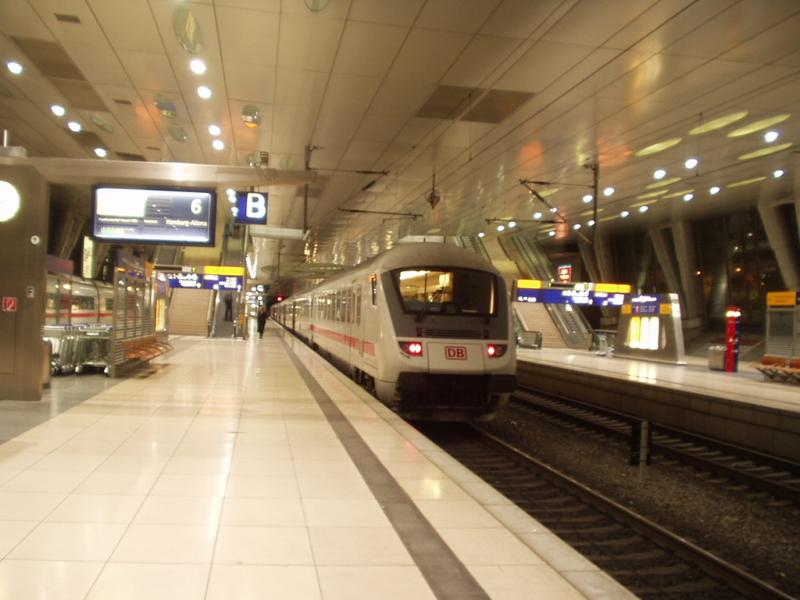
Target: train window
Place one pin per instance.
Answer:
(446, 291)
(373, 284)
(109, 304)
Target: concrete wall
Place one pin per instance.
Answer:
(23, 270)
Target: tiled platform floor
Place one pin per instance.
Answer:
(218, 476)
(747, 385)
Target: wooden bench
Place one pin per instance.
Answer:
(145, 348)
(779, 368)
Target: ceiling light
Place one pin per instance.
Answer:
(554, 210)
(777, 173)
(588, 198)
(512, 224)
(501, 228)
(688, 197)
(101, 152)
(644, 209)
(230, 192)
(691, 163)
(758, 125)
(590, 223)
(58, 110)
(714, 190)
(742, 182)
(655, 194)
(537, 215)
(74, 126)
(551, 233)
(204, 92)
(718, 123)
(659, 174)
(481, 234)
(679, 193)
(662, 183)
(609, 191)
(197, 66)
(624, 214)
(771, 136)
(576, 226)
(235, 211)
(765, 151)
(218, 144)
(14, 67)
(9, 201)
(214, 130)
(658, 147)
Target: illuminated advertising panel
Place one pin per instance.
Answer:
(154, 216)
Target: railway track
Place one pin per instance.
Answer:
(761, 472)
(642, 555)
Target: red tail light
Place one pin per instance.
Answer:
(495, 350)
(411, 348)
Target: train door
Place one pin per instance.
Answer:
(369, 323)
(293, 308)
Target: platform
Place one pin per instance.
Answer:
(740, 407)
(254, 469)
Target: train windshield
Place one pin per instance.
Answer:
(446, 291)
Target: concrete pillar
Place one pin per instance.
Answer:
(781, 243)
(23, 247)
(605, 262)
(664, 255)
(589, 254)
(588, 259)
(683, 240)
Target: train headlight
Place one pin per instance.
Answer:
(495, 350)
(411, 348)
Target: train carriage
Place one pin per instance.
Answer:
(426, 327)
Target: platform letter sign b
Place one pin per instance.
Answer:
(252, 208)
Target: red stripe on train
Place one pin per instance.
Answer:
(347, 340)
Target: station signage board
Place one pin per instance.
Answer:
(569, 296)
(204, 281)
(783, 299)
(564, 273)
(10, 304)
(153, 216)
(251, 208)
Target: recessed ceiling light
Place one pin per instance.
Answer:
(765, 151)
(512, 224)
(718, 123)
(644, 209)
(758, 125)
(101, 152)
(771, 136)
(501, 228)
(742, 182)
(74, 126)
(235, 211)
(714, 190)
(9, 201)
(609, 191)
(214, 130)
(588, 198)
(679, 193)
(218, 144)
(590, 223)
(659, 174)
(230, 192)
(14, 67)
(537, 215)
(481, 234)
(624, 214)
(204, 92)
(197, 66)
(777, 173)
(58, 110)
(551, 233)
(576, 226)
(658, 147)
(691, 163)
(554, 210)
(655, 194)
(688, 197)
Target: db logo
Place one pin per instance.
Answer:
(455, 353)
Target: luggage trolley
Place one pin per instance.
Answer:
(92, 349)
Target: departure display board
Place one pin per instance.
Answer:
(154, 216)
(204, 281)
(561, 296)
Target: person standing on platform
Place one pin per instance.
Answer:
(228, 299)
(262, 321)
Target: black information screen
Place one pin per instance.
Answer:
(154, 216)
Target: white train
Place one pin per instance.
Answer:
(72, 300)
(426, 327)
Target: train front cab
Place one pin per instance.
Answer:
(453, 353)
